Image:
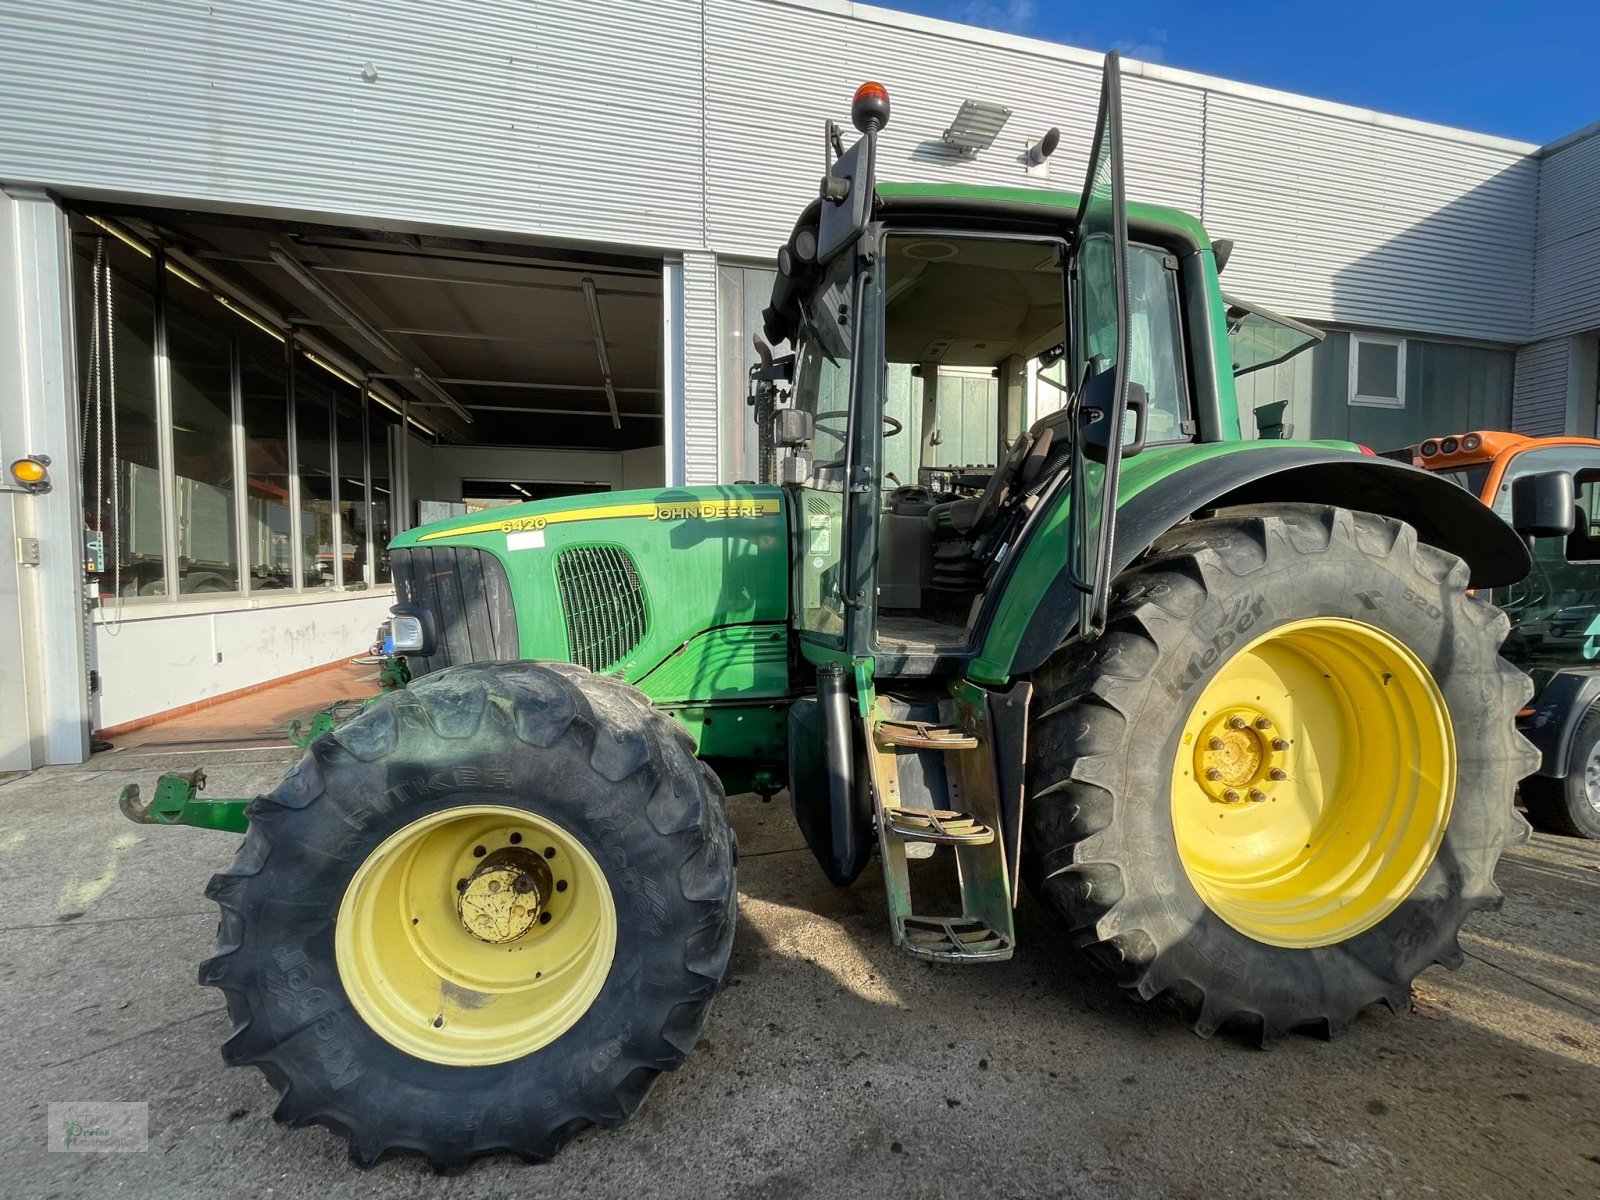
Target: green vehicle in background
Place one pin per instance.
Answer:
(1227, 706)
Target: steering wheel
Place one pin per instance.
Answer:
(893, 426)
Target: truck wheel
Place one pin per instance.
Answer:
(1279, 783)
(1571, 805)
(481, 916)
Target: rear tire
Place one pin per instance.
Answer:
(1123, 825)
(1570, 805)
(318, 945)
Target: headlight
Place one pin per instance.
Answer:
(407, 634)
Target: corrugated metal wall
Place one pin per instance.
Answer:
(1567, 292)
(764, 140)
(1337, 215)
(690, 126)
(561, 118)
(1338, 220)
(682, 125)
(1540, 405)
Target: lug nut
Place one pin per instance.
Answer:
(1214, 744)
(1257, 795)
(1213, 774)
(1279, 744)
(1236, 722)
(1277, 774)
(1231, 796)
(1263, 723)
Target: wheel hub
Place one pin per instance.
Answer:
(1313, 782)
(1239, 756)
(475, 934)
(502, 899)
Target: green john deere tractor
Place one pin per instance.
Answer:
(1016, 602)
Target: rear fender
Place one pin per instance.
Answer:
(1443, 514)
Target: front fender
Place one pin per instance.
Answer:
(1182, 481)
(1561, 704)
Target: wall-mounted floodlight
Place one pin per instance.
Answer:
(30, 475)
(975, 127)
(1044, 147)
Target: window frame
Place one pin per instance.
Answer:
(1355, 397)
(165, 295)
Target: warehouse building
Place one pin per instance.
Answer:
(279, 280)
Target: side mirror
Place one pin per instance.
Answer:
(846, 201)
(1094, 411)
(792, 427)
(1542, 505)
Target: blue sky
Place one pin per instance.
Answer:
(1522, 71)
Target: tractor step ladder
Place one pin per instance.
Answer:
(904, 754)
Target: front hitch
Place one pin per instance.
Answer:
(177, 802)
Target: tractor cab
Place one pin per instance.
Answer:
(961, 354)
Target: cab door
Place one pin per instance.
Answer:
(1098, 299)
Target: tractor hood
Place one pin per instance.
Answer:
(641, 584)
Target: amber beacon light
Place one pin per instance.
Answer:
(869, 109)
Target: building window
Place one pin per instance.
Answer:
(742, 292)
(313, 429)
(206, 438)
(200, 363)
(1377, 371)
(352, 523)
(122, 504)
(378, 434)
(264, 400)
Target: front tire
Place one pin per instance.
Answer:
(1279, 783)
(481, 916)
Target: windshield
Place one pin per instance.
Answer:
(822, 371)
(1471, 477)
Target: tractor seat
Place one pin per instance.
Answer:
(970, 517)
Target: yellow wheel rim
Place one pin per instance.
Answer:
(475, 935)
(1313, 782)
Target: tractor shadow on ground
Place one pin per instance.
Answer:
(791, 917)
(1536, 950)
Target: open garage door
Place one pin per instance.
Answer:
(535, 364)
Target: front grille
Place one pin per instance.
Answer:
(603, 600)
(467, 598)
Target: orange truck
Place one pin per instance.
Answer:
(1550, 487)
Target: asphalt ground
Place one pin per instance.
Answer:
(831, 1064)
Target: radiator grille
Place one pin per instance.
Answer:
(465, 592)
(604, 604)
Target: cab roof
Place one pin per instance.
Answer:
(1037, 200)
